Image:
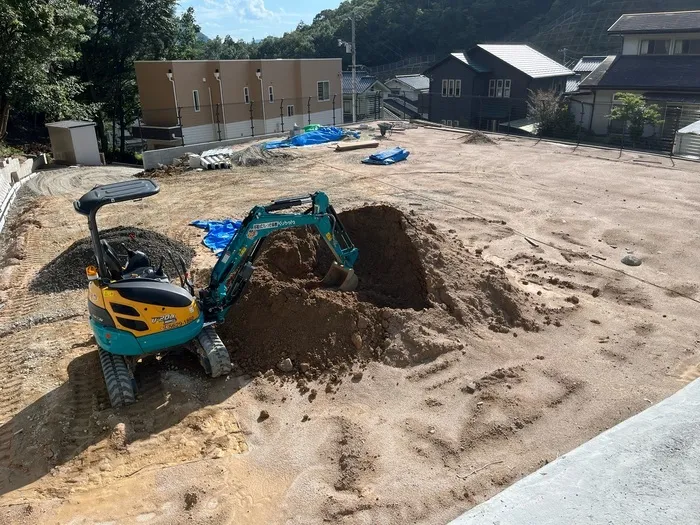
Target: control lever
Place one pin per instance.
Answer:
(182, 281)
(129, 252)
(186, 273)
(159, 270)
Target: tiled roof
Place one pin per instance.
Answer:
(468, 61)
(523, 57)
(588, 64)
(680, 21)
(417, 82)
(678, 72)
(572, 85)
(362, 82)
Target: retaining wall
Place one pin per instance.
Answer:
(152, 158)
(13, 174)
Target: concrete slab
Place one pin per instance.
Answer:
(646, 470)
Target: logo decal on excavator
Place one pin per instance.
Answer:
(165, 319)
(269, 225)
(251, 234)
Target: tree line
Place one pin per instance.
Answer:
(74, 58)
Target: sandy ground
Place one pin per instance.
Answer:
(398, 444)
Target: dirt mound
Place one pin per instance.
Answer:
(257, 155)
(178, 166)
(478, 137)
(416, 287)
(67, 271)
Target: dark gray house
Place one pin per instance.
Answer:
(489, 85)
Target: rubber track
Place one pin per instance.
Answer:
(213, 353)
(117, 378)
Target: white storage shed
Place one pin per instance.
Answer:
(74, 142)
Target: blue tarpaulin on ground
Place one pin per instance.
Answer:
(318, 136)
(388, 156)
(219, 233)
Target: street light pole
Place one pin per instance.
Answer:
(354, 73)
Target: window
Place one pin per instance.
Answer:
(449, 122)
(655, 47)
(195, 100)
(444, 88)
(492, 88)
(271, 94)
(347, 106)
(499, 88)
(290, 111)
(455, 123)
(506, 88)
(686, 47)
(246, 95)
(451, 91)
(324, 90)
(443, 122)
(458, 88)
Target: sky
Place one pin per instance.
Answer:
(248, 19)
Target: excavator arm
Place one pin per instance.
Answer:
(235, 265)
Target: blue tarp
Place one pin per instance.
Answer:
(319, 136)
(388, 156)
(219, 233)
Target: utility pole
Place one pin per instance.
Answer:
(354, 73)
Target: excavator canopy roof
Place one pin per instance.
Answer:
(127, 190)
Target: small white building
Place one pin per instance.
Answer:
(74, 142)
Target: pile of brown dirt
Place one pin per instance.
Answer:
(257, 155)
(478, 137)
(416, 288)
(67, 271)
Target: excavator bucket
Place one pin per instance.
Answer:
(338, 278)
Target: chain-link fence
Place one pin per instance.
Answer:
(185, 125)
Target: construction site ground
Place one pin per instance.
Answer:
(383, 441)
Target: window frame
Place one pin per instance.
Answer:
(290, 115)
(270, 94)
(492, 88)
(444, 87)
(499, 88)
(681, 41)
(647, 41)
(195, 101)
(451, 88)
(458, 88)
(246, 95)
(443, 122)
(455, 123)
(449, 123)
(319, 84)
(507, 86)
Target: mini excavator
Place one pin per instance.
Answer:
(135, 310)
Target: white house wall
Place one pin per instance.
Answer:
(631, 44)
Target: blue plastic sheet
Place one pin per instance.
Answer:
(219, 233)
(319, 136)
(388, 156)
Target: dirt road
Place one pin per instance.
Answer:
(400, 442)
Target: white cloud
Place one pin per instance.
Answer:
(242, 9)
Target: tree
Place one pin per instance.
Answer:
(635, 113)
(551, 114)
(125, 31)
(39, 39)
(187, 45)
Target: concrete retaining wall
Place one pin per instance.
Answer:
(152, 158)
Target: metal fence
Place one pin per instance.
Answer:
(193, 124)
(368, 106)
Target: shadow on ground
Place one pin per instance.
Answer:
(47, 435)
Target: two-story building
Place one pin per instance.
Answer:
(660, 60)
(489, 85)
(195, 101)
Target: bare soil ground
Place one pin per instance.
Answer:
(497, 330)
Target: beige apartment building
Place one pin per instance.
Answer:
(228, 99)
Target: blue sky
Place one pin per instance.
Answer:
(257, 19)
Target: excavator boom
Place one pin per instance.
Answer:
(235, 265)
